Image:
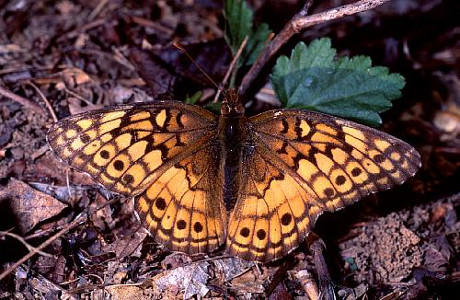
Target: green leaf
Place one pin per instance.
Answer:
(214, 107)
(314, 78)
(238, 16)
(194, 98)
(256, 43)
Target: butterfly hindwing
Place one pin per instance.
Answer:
(271, 214)
(183, 208)
(302, 164)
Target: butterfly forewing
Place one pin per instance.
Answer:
(302, 164)
(122, 147)
(340, 160)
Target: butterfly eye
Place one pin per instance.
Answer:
(225, 109)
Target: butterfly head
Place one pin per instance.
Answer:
(231, 105)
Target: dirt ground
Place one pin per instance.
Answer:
(64, 57)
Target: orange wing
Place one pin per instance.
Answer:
(302, 164)
(163, 154)
(122, 147)
(184, 208)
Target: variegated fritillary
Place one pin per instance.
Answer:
(257, 184)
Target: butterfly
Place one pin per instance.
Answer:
(256, 184)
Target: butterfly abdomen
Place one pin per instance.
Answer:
(232, 130)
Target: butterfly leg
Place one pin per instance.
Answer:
(326, 287)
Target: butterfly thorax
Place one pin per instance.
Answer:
(231, 105)
(232, 135)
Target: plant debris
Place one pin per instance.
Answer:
(64, 236)
(28, 205)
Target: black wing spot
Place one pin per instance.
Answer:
(356, 172)
(160, 203)
(379, 158)
(128, 178)
(286, 219)
(245, 232)
(118, 165)
(198, 227)
(261, 234)
(105, 154)
(340, 180)
(181, 224)
(329, 192)
(85, 138)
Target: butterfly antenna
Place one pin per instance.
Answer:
(227, 74)
(179, 46)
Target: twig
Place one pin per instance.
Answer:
(79, 219)
(231, 68)
(27, 245)
(23, 101)
(307, 282)
(67, 181)
(102, 4)
(326, 289)
(74, 33)
(148, 23)
(48, 105)
(297, 24)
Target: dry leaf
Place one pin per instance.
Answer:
(191, 279)
(29, 206)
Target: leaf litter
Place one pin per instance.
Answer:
(82, 56)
